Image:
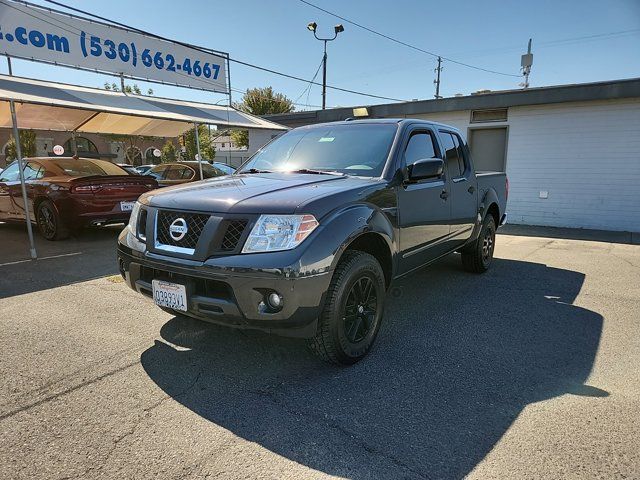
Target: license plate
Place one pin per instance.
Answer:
(127, 206)
(170, 295)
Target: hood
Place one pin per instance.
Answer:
(254, 193)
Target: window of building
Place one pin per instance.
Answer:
(419, 147)
(494, 115)
(84, 146)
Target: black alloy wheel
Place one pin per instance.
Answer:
(352, 314)
(49, 222)
(360, 309)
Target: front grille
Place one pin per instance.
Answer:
(232, 236)
(195, 224)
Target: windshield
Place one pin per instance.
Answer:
(85, 168)
(352, 149)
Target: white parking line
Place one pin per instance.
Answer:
(41, 258)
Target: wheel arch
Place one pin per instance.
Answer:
(373, 234)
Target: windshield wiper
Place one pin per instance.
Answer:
(316, 172)
(255, 170)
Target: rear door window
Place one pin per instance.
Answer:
(158, 172)
(462, 162)
(33, 171)
(451, 155)
(179, 172)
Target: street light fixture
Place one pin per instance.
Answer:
(313, 26)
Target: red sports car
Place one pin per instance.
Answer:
(67, 194)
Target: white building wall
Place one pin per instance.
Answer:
(585, 155)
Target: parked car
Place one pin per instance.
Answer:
(142, 169)
(130, 169)
(168, 174)
(305, 239)
(227, 169)
(66, 194)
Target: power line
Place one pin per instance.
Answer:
(240, 62)
(555, 43)
(400, 42)
(308, 87)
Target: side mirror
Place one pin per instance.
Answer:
(425, 169)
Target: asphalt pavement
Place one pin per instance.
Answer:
(531, 370)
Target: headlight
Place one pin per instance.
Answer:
(279, 232)
(133, 219)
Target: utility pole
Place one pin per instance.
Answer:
(525, 64)
(437, 80)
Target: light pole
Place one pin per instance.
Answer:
(313, 26)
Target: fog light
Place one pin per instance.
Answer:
(274, 300)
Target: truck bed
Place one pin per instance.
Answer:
(493, 180)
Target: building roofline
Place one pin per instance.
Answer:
(613, 89)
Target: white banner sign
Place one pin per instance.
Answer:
(38, 34)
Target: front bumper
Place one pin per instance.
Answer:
(232, 296)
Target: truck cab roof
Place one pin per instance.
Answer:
(398, 121)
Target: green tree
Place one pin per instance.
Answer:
(260, 101)
(240, 138)
(135, 89)
(27, 145)
(264, 101)
(169, 152)
(207, 148)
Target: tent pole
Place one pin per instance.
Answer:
(75, 144)
(198, 149)
(229, 82)
(23, 186)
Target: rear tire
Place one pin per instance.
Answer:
(478, 258)
(50, 224)
(352, 314)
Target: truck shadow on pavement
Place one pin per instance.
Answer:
(458, 358)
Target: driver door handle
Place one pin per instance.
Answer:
(444, 194)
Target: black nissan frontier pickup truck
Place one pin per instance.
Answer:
(306, 237)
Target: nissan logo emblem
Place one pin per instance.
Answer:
(178, 229)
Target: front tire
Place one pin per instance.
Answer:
(478, 258)
(49, 222)
(352, 313)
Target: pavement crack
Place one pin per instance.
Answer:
(353, 436)
(55, 396)
(146, 412)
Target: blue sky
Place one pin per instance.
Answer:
(490, 34)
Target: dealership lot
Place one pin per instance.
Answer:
(532, 370)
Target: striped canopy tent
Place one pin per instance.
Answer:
(41, 105)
